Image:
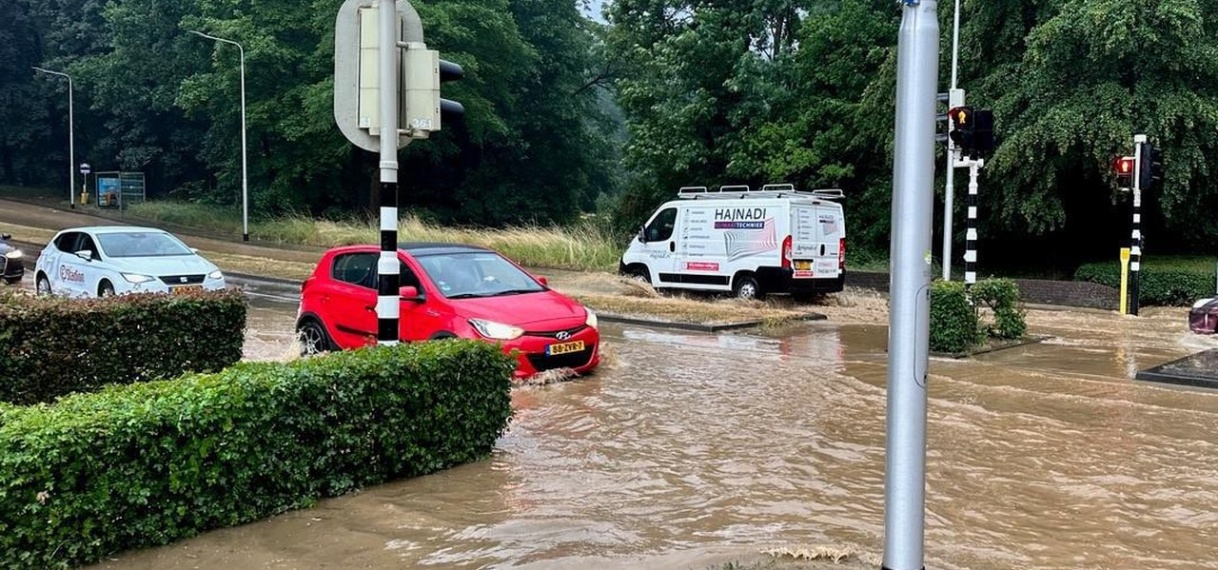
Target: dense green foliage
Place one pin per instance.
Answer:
(152, 97)
(563, 111)
(954, 327)
(1171, 281)
(52, 346)
(1002, 298)
(145, 464)
(803, 91)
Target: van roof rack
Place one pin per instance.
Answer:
(736, 191)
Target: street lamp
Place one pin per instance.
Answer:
(71, 139)
(245, 195)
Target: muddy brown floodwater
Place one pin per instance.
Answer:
(693, 448)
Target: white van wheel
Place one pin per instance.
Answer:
(747, 287)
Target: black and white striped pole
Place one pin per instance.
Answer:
(388, 308)
(970, 239)
(1135, 242)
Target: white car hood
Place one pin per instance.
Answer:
(160, 266)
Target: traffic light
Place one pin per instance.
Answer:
(963, 122)
(983, 133)
(1123, 166)
(450, 71)
(1151, 171)
(423, 110)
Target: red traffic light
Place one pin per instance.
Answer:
(1123, 166)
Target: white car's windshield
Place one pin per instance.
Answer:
(476, 274)
(141, 244)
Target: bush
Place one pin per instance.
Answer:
(953, 322)
(1002, 297)
(1164, 281)
(145, 464)
(51, 346)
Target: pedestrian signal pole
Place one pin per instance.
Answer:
(970, 243)
(1135, 242)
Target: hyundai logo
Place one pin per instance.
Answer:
(564, 335)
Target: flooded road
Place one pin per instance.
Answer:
(690, 447)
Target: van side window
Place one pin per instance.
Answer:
(661, 227)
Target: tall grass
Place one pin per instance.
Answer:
(584, 245)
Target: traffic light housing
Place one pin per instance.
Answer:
(1150, 172)
(983, 133)
(450, 71)
(963, 120)
(1123, 166)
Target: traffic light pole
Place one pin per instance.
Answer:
(949, 190)
(388, 304)
(1135, 244)
(909, 319)
(970, 244)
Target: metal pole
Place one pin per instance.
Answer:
(909, 319)
(71, 138)
(245, 186)
(1135, 245)
(245, 178)
(388, 302)
(950, 187)
(71, 146)
(970, 243)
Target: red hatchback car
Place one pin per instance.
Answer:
(448, 291)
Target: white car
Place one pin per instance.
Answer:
(113, 260)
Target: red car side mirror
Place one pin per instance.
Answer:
(544, 282)
(409, 293)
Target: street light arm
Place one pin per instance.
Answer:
(203, 35)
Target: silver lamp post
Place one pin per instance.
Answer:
(71, 139)
(245, 196)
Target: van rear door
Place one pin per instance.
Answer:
(816, 232)
(805, 243)
(831, 231)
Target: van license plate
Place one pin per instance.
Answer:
(564, 348)
(184, 290)
(803, 265)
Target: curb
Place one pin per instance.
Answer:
(1190, 376)
(696, 327)
(991, 349)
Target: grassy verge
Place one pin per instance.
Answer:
(582, 246)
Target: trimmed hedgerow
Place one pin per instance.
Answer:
(145, 464)
(1177, 281)
(1002, 297)
(51, 346)
(954, 327)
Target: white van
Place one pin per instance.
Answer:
(748, 242)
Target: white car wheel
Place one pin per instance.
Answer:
(105, 289)
(43, 285)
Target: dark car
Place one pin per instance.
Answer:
(12, 269)
(1203, 318)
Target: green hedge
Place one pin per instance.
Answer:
(145, 464)
(954, 327)
(51, 346)
(1164, 281)
(1002, 297)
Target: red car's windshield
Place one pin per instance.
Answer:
(476, 274)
